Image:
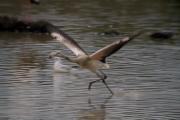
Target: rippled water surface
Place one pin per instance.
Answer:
(144, 75)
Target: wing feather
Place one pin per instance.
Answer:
(68, 42)
(112, 48)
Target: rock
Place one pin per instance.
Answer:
(162, 35)
(35, 2)
(12, 24)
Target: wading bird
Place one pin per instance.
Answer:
(94, 62)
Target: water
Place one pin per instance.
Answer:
(144, 75)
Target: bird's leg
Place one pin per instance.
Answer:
(99, 75)
(102, 77)
(90, 84)
(107, 86)
(103, 80)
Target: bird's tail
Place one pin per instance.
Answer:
(100, 65)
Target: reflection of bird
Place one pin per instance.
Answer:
(96, 112)
(58, 65)
(94, 62)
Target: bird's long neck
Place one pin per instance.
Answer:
(68, 58)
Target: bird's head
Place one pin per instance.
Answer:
(55, 54)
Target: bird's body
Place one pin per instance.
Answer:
(94, 62)
(89, 63)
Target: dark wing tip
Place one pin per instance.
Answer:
(114, 47)
(136, 34)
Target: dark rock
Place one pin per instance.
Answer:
(35, 2)
(12, 24)
(162, 35)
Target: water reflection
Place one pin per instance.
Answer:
(68, 90)
(96, 111)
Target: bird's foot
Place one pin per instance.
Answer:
(90, 84)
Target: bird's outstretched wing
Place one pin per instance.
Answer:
(68, 42)
(113, 47)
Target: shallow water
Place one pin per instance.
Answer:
(144, 75)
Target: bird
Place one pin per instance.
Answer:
(94, 62)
